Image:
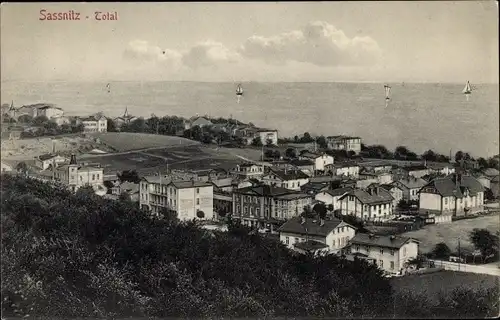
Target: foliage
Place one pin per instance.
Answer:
(484, 241)
(257, 142)
(441, 251)
(129, 176)
(124, 196)
(291, 153)
(22, 167)
(79, 255)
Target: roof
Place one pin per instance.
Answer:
(93, 118)
(265, 190)
(447, 186)
(200, 120)
(415, 168)
(314, 186)
(310, 227)
(389, 186)
(190, 184)
(383, 196)
(341, 137)
(157, 179)
(48, 107)
(266, 130)
(396, 242)
(311, 155)
(412, 182)
(299, 163)
(339, 191)
(310, 245)
(293, 196)
(289, 174)
(491, 172)
(47, 156)
(129, 187)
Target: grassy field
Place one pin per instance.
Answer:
(128, 141)
(433, 283)
(449, 232)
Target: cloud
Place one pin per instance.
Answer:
(142, 51)
(318, 43)
(207, 54)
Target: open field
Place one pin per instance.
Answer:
(433, 283)
(128, 141)
(449, 232)
(193, 157)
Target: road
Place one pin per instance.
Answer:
(491, 268)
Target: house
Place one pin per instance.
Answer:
(332, 197)
(314, 188)
(44, 161)
(50, 111)
(288, 179)
(249, 170)
(441, 168)
(390, 253)
(261, 205)
(375, 203)
(302, 146)
(197, 121)
(410, 186)
(320, 159)
(486, 176)
(132, 189)
(61, 120)
(126, 118)
(334, 233)
(344, 143)
(453, 195)
(189, 199)
(249, 133)
(381, 177)
(39, 109)
(95, 124)
(376, 166)
(417, 171)
(76, 176)
(344, 169)
(305, 165)
(395, 191)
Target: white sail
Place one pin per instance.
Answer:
(467, 88)
(239, 90)
(387, 92)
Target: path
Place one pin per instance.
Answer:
(491, 269)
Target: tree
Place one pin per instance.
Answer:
(256, 142)
(441, 251)
(291, 153)
(320, 209)
(129, 176)
(124, 196)
(200, 214)
(484, 241)
(269, 142)
(40, 121)
(25, 118)
(22, 167)
(322, 143)
(429, 155)
(306, 138)
(459, 156)
(168, 215)
(269, 153)
(111, 126)
(493, 163)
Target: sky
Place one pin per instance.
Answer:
(281, 41)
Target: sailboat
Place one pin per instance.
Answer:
(108, 87)
(239, 92)
(467, 88)
(387, 89)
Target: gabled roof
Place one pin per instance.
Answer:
(339, 191)
(454, 186)
(383, 196)
(47, 156)
(287, 175)
(380, 241)
(412, 182)
(299, 163)
(314, 187)
(311, 155)
(415, 168)
(310, 227)
(265, 190)
(190, 184)
(491, 172)
(389, 186)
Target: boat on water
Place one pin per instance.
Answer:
(239, 90)
(467, 88)
(387, 89)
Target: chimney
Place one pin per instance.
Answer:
(392, 237)
(73, 159)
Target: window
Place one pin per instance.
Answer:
(367, 249)
(392, 265)
(238, 209)
(197, 201)
(404, 252)
(296, 240)
(357, 248)
(333, 243)
(445, 200)
(97, 176)
(246, 210)
(342, 229)
(392, 252)
(287, 240)
(251, 211)
(351, 198)
(197, 190)
(381, 251)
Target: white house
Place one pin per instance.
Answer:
(344, 169)
(44, 161)
(410, 186)
(390, 253)
(375, 203)
(396, 193)
(249, 170)
(50, 111)
(320, 159)
(197, 121)
(76, 176)
(288, 179)
(344, 143)
(189, 199)
(95, 124)
(453, 195)
(332, 197)
(333, 233)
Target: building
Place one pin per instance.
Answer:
(7, 167)
(39, 109)
(453, 195)
(50, 111)
(335, 234)
(396, 192)
(126, 118)
(314, 188)
(321, 160)
(343, 169)
(197, 121)
(381, 177)
(61, 120)
(44, 161)
(249, 133)
(375, 203)
(249, 170)
(488, 176)
(132, 189)
(416, 171)
(410, 186)
(441, 168)
(390, 253)
(344, 143)
(332, 197)
(189, 199)
(76, 176)
(305, 165)
(95, 124)
(288, 179)
(261, 205)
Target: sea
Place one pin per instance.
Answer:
(420, 116)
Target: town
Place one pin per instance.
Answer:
(319, 195)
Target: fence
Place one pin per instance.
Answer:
(462, 267)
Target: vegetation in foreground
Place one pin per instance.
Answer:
(78, 255)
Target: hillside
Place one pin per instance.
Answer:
(66, 255)
(128, 141)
